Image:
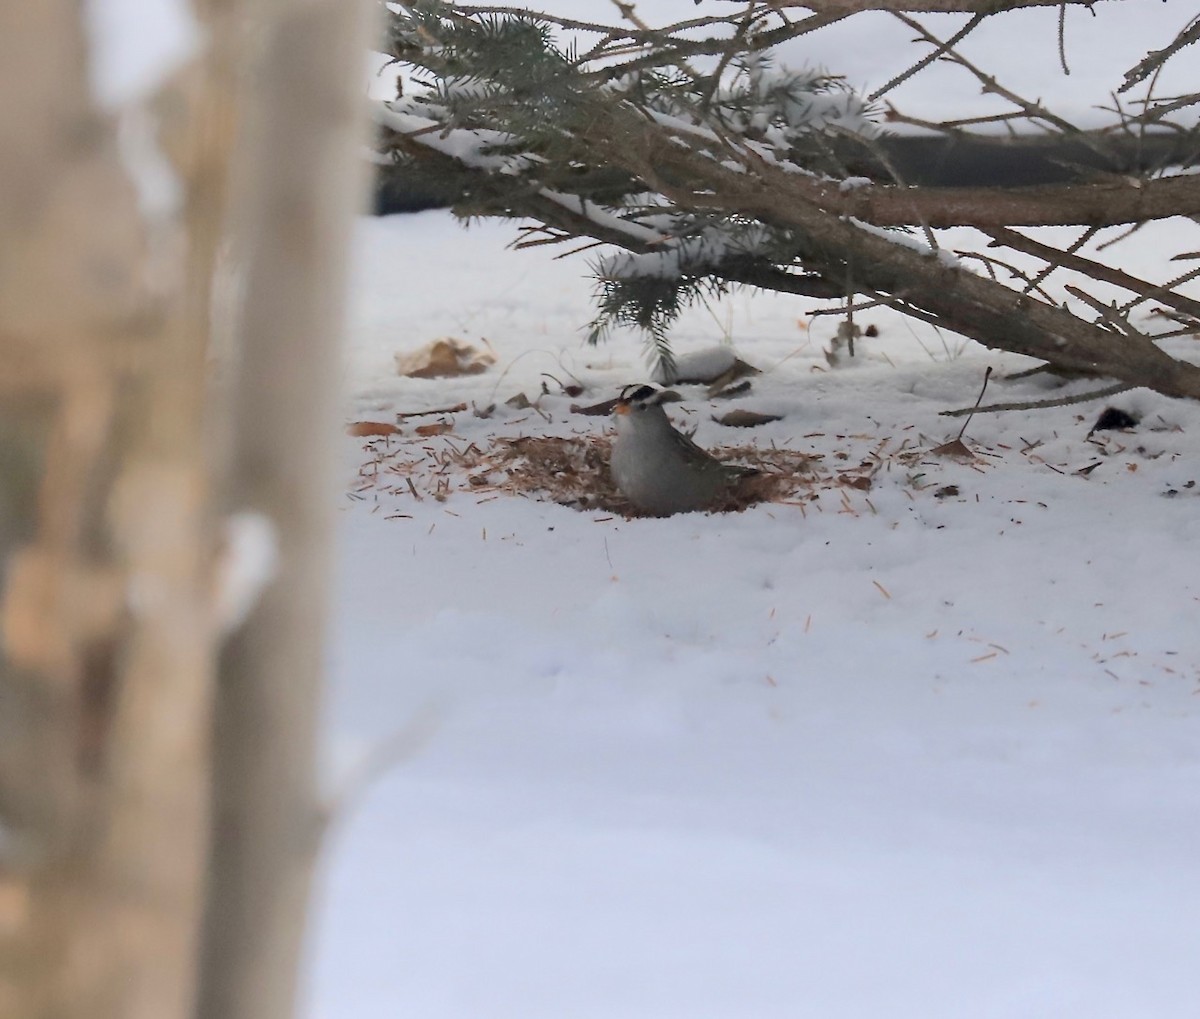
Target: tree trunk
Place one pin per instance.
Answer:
(299, 183)
(112, 600)
(108, 640)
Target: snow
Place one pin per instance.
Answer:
(602, 217)
(249, 562)
(468, 145)
(678, 256)
(888, 753)
(135, 44)
(908, 240)
(707, 364)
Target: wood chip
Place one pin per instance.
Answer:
(365, 428)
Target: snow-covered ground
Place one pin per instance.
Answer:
(917, 750)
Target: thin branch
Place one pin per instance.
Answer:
(1100, 271)
(953, 127)
(1156, 58)
(1154, 114)
(739, 37)
(925, 61)
(1108, 313)
(988, 260)
(1164, 294)
(1062, 38)
(1062, 401)
(1057, 262)
(716, 46)
(847, 7)
(396, 749)
(1034, 111)
(639, 34)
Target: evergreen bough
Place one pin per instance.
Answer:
(701, 162)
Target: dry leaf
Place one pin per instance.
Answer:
(956, 449)
(602, 409)
(365, 428)
(444, 357)
(436, 428)
(746, 418)
(860, 481)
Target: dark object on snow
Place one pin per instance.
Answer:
(405, 189)
(746, 419)
(719, 391)
(928, 160)
(602, 409)
(1015, 161)
(1113, 419)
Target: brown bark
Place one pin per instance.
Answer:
(1105, 203)
(1096, 270)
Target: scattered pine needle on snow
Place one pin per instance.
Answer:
(573, 471)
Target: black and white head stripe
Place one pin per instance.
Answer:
(642, 394)
(639, 392)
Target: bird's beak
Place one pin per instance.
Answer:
(621, 408)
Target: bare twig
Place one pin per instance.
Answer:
(398, 748)
(1156, 58)
(1030, 284)
(1062, 38)
(1062, 401)
(1163, 293)
(401, 415)
(1109, 313)
(1057, 262)
(929, 58)
(848, 7)
(987, 374)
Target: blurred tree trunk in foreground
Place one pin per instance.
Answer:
(111, 871)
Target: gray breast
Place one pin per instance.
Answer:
(654, 470)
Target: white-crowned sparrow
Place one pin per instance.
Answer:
(658, 468)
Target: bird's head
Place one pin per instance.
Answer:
(643, 395)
